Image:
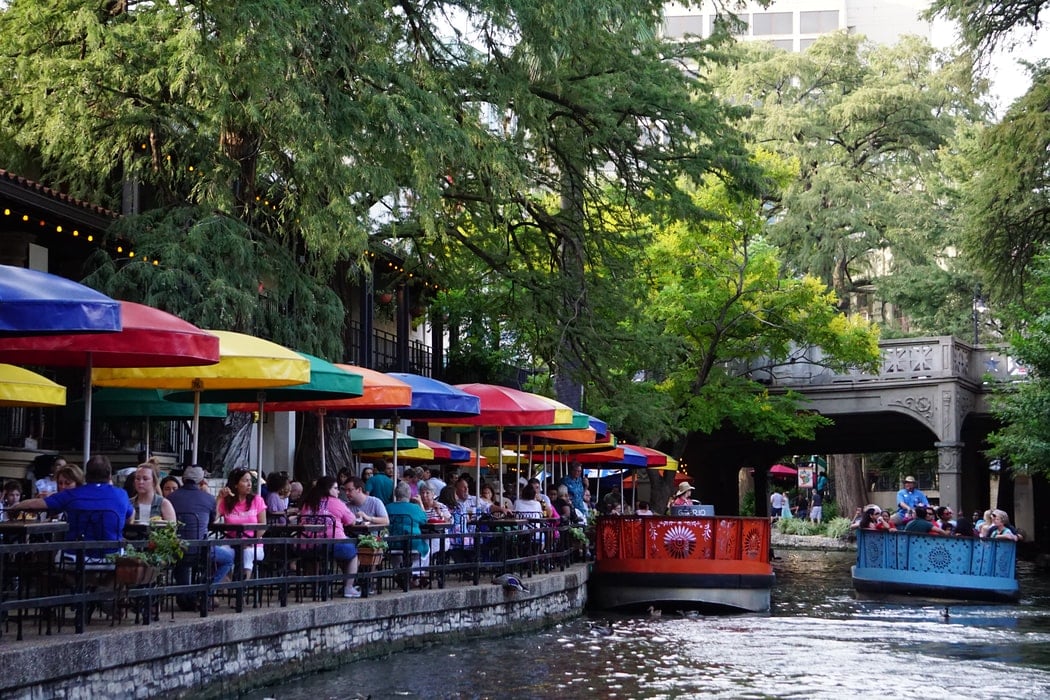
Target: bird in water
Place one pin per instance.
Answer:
(510, 582)
(602, 630)
(689, 614)
(654, 612)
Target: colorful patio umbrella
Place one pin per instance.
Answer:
(430, 398)
(20, 387)
(148, 338)
(245, 362)
(504, 407)
(34, 302)
(783, 470)
(379, 440)
(328, 383)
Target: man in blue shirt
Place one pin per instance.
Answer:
(574, 481)
(907, 498)
(96, 511)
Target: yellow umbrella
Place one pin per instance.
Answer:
(20, 387)
(245, 362)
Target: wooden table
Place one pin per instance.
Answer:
(28, 530)
(364, 528)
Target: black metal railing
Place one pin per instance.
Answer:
(54, 585)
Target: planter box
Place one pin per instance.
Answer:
(133, 572)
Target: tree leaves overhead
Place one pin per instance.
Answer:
(868, 126)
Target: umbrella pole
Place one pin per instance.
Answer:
(518, 480)
(147, 438)
(259, 456)
(477, 480)
(87, 411)
(196, 422)
(499, 443)
(393, 428)
(320, 427)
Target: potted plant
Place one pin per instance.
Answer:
(370, 549)
(139, 565)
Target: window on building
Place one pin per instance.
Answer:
(804, 44)
(738, 23)
(820, 22)
(679, 27)
(766, 23)
(786, 44)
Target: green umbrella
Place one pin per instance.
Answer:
(146, 403)
(376, 439)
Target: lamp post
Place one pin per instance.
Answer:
(978, 308)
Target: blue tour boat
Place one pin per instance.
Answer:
(935, 566)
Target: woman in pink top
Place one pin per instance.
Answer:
(322, 505)
(238, 504)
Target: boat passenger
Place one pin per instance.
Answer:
(643, 508)
(885, 522)
(982, 524)
(868, 520)
(963, 528)
(945, 520)
(923, 523)
(1001, 528)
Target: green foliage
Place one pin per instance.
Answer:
(1024, 407)
(1007, 212)
(837, 528)
(164, 547)
(869, 128)
(798, 526)
(829, 511)
(372, 541)
(721, 299)
(215, 273)
(747, 503)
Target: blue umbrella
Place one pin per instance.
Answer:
(430, 399)
(34, 302)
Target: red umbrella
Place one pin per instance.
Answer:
(503, 407)
(783, 470)
(149, 338)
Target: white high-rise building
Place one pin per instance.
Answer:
(795, 24)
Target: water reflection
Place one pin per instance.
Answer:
(819, 641)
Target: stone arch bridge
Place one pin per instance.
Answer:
(929, 393)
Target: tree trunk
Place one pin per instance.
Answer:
(661, 488)
(850, 492)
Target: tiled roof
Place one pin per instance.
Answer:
(33, 186)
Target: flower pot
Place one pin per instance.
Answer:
(134, 572)
(369, 557)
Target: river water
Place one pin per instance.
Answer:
(819, 641)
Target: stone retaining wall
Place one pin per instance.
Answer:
(224, 654)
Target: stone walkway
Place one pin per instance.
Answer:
(779, 539)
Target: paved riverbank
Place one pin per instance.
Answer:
(781, 541)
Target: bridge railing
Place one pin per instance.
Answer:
(908, 359)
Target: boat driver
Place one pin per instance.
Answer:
(907, 498)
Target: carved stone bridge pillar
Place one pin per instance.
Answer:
(949, 468)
